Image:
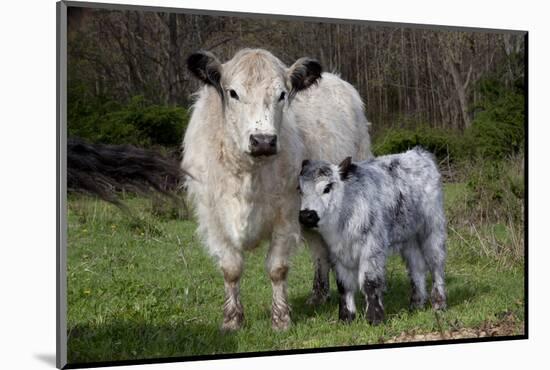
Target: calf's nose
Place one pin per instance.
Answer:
(309, 218)
(262, 144)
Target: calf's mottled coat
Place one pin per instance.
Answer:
(366, 210)
(253, 123)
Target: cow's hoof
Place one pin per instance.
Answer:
(317, 299)
(280, 315)
(281, 323)
(233, 323)
(231, 326)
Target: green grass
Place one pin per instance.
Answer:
(144, 287)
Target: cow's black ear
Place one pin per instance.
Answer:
(303, 73)
(206, 67)
(345, 168)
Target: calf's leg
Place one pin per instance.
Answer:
(434, 251)
(373, 289)
(372, 268)
(416, 267)
(346, 282)
(232, 267)
(320, 255)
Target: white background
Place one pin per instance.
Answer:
(27, 182)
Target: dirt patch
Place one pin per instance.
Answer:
(508, 325)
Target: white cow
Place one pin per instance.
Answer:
(253, 123)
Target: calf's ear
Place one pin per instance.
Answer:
(303, 73)
(345, 168)
(207, 68)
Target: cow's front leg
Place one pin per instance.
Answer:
(232, 267)
(319, 252)
(284, 239)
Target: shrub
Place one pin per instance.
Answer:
(486, 211)
(494, 191)
(441, 143)
(138, 123)
(498, 128)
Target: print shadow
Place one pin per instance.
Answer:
(46, 358)
(126, 340)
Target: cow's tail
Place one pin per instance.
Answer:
(103, 170)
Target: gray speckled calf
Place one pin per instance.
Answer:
(366, 210)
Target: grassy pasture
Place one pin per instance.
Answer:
(144, 287)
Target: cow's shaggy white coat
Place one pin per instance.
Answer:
(241, 199)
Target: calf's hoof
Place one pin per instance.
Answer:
(439, 301)
(346, 316)
(375, 315)
(417, 303)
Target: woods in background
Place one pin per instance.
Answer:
(132, 63)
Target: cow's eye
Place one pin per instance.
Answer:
(233, 94)
(299, 189)
(328, 188)
(282, 97)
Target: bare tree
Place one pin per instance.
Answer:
(404, 75)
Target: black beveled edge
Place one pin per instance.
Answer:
(287, 17)
(61, 185)
(526, 187)
(291, 352)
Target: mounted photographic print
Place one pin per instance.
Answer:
(235, 184)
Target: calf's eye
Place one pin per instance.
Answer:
(328, 188)
(282, 97)
(233, 94)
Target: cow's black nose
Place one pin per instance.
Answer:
(262, 144)
(309, 218)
